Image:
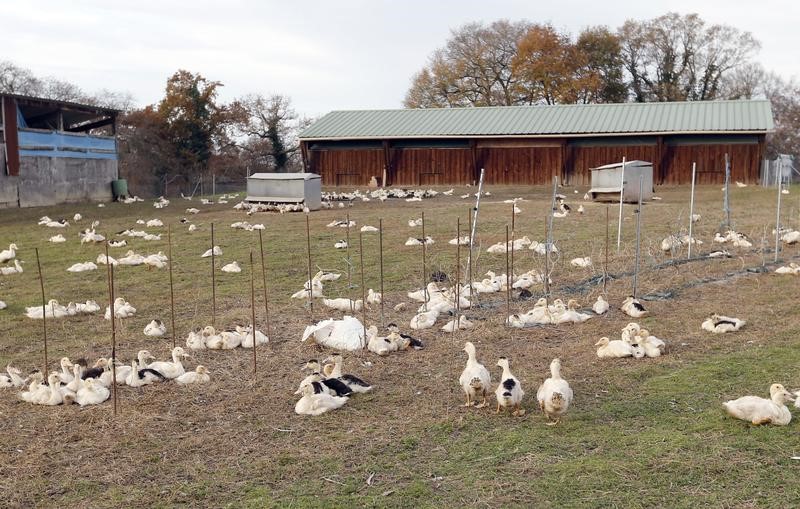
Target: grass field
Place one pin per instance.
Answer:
(641, 433)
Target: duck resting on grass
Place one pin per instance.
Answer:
(719, 324)
(633, 308)
(760, 410)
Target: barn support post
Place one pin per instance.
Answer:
(727, 202)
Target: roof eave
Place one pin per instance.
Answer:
(539, 136)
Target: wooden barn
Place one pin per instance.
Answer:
(528, 145)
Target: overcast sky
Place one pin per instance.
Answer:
(325, 55)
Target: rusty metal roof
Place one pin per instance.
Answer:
(620, 119)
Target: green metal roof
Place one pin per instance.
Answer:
(744, 116)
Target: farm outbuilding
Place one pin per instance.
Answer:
(528, 145)
(55, 151)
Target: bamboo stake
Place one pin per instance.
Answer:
(113, 334)
(264, 276)
(253, 310)
(424, 266)
(508, 282)
(691, 212)
(213, 281)
(171, 287)
(310, 286)
(363, 288)
(44, 311)
(621, 189)
(380, 254)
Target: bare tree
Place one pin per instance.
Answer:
(679, 58)
(473, 69)
(271, 126)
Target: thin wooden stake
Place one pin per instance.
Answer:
(513, 237)
(546, 261)
(213, 281)
(171, 287)
(363, 288)
(691, 212)
(638, 237)
(424, 266)
(253, 310)
(458, 277)
(264, 276)
(469, 261)
(44, 312)
(310, 286)
(605, 265)
(113, 310)
(349, 267)
(380, 254)
(621, 189)
(508, 281)
(778, 218)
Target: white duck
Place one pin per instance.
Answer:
(122, 309)
(582, 263)
(344, 305)
(555, 394)
(14, 269)
(374, 298)
(216, 250)
(613, 349)
(91, 393)
(600, 306)
(247, 336)
(317, 403)
(35, 388)
(155, 328)
(463, 323)
(198, 376)
(424, 320)
(195, 341)
(172, 369)
(51, 395)
(652, 346)
(719, 324)
(131, 258)
(509, 392)
(760, 410)
(345, 334)
(213, 340)
(57, 239)
(9, 254)
(82, 267)
(475, 379)
(232, 267)
(632, 307)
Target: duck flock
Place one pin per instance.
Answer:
(327, 387)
